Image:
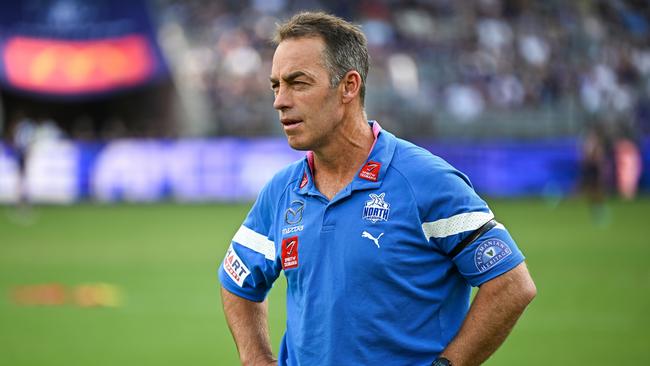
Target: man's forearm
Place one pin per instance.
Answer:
(494, 312)
(247, 321)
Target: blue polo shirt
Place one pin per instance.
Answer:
(370, 275)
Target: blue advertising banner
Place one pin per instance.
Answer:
(515, 168)
(231, 169)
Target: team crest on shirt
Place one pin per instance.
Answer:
(489, 253)
(376, 209)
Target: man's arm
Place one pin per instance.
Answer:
(494, 311)
(247, 321)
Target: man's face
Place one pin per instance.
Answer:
(309, 109)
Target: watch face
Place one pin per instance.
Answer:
(441, 362)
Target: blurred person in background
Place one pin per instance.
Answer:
(23, 137)
(26, 134)
(379, 240)
(628, 161)
(595, 169)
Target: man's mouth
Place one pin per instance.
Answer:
(288, 122)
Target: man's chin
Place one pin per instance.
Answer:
(297, 144)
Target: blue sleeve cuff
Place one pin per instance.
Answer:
(489, 256)
(233, 288)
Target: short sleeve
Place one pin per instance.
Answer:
(250, 266)
(450, 208)
(451, 212)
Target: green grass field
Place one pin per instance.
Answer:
(593, 304)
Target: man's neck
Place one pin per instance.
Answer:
(336, 164)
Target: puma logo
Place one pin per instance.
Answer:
(367, 235)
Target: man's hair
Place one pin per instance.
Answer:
(346, 47)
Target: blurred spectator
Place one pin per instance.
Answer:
(511, 68)
(26, 134)
(596, 169)
(628, 160)
(467, 57)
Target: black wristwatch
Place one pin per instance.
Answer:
(441, 361)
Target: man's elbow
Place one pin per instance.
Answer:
(526, 291)
(529, 291)
(520, 287)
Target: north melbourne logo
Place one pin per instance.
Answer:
(376, 209)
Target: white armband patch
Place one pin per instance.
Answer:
(456, 224)
(235, 267)
(255, 242)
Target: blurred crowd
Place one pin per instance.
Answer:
(434, 62)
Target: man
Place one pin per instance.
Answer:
(379, 240)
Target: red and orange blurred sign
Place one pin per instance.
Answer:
(71, 67)
(56, 294)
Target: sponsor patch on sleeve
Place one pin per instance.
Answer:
(235, 267)
(489, 253)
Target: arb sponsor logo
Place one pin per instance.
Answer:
(370, 171)
(290, 252)
(235, 267)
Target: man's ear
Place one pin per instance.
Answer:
(351, 85)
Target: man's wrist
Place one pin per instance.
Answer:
(260, 360)
(441, 361)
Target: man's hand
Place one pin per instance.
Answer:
(494, 311)
(247, 321)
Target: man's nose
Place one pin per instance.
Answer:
(282, 99)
